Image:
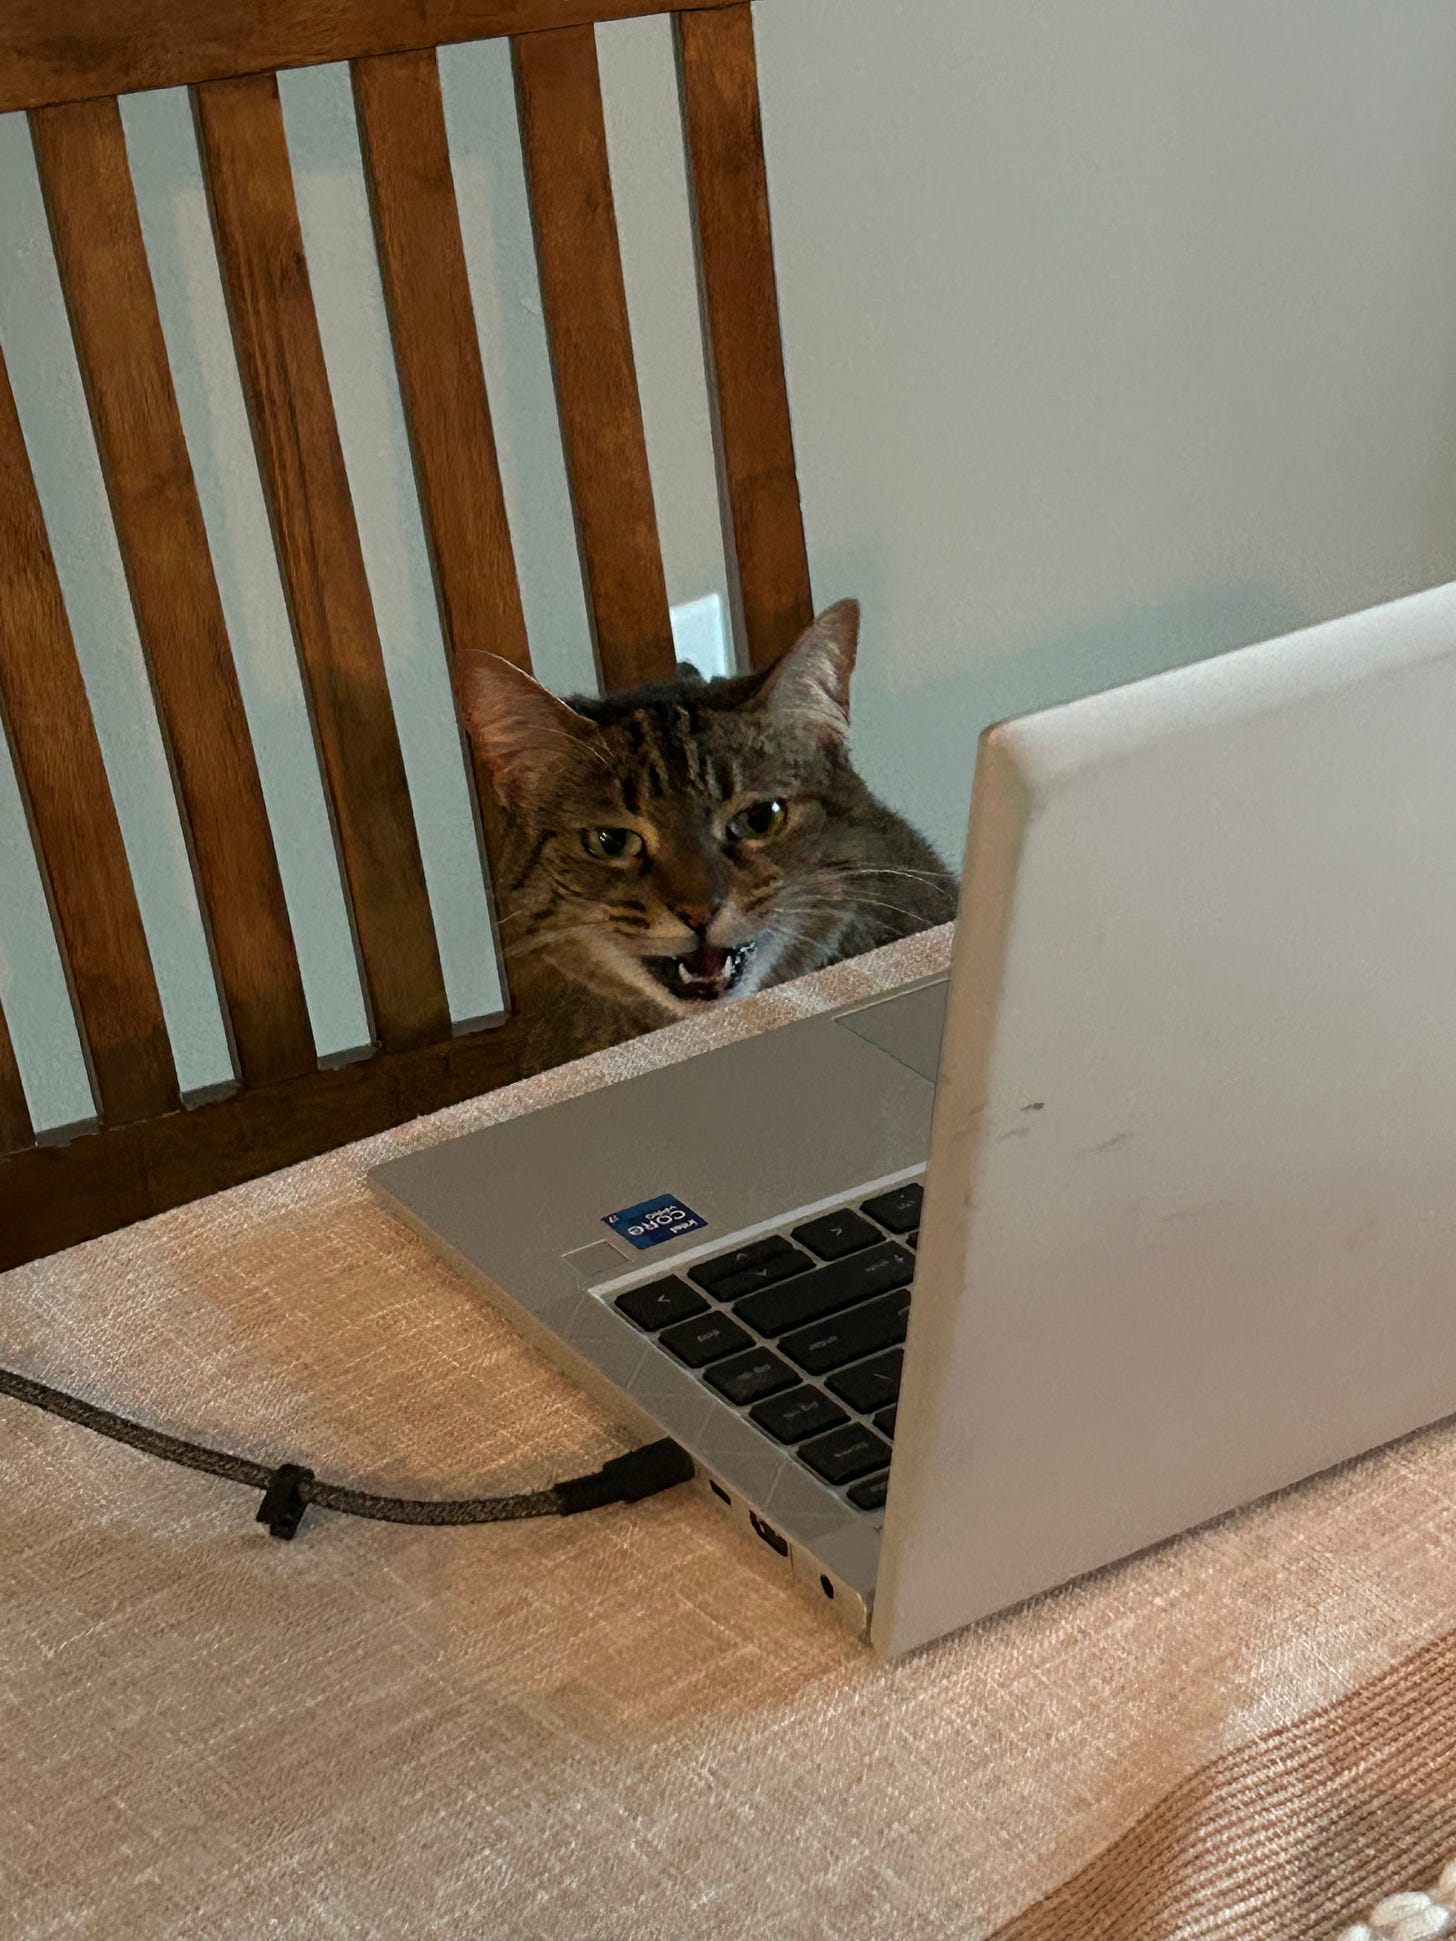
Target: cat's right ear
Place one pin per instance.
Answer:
(522, 733)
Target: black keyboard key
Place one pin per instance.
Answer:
(707, 1339)
(850, 1336)
(829, 1288)
(833, 1235)
(757, 1253)
(660, 1303)
(870, 1494)
(846, 1453)
(885, 1422)
(743, 1378)
(899, 1209)
(802, 1412)
(870, 1384)
(782, 1267)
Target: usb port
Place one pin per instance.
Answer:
(769, 1534)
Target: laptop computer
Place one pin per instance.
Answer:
(1147, 1210)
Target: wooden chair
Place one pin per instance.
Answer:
(65, 62)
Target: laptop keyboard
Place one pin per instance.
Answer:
(802, 1331)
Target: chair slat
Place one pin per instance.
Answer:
(564, 136)
(69, 799)
(437, 352)
(15, 1127)
(763, 524)
(86, 181)
(442, 381)
(280, 356)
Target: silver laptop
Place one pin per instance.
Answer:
(1147, 1211)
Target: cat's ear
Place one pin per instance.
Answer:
(523, 734)
(812, 679)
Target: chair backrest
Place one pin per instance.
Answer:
(65, 62)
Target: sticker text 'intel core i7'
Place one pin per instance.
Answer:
(651, 1222)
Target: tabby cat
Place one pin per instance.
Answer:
(671, 847)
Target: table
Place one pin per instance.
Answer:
(629, 1726)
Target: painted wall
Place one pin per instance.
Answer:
(1116, 337)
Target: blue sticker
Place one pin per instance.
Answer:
(653, 1221)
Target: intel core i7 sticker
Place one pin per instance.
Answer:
(653, 1221)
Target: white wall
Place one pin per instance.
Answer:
(1116, 336)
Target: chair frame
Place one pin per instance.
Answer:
(65, 62)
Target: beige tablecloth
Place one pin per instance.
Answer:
(628, 1726)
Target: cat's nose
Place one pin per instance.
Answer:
(697, 916)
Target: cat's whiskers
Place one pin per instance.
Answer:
(783, 934)
(916, 875)
(843, 883)
(844, 905)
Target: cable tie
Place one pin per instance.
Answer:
(284, 1502)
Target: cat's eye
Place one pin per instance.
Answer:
(611, 845)
(758, 821)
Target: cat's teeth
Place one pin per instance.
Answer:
(684, 975)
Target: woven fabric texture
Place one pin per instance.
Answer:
(628, 1726)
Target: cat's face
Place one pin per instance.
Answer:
(672, 842)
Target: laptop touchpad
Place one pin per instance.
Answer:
(908, 1026)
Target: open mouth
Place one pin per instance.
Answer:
(706, 973)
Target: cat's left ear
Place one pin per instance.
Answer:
(812, 679)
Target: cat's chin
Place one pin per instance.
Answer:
(703, 976)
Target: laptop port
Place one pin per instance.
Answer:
(769, 1534)
(719, 1491)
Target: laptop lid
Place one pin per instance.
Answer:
(1190, 1230)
